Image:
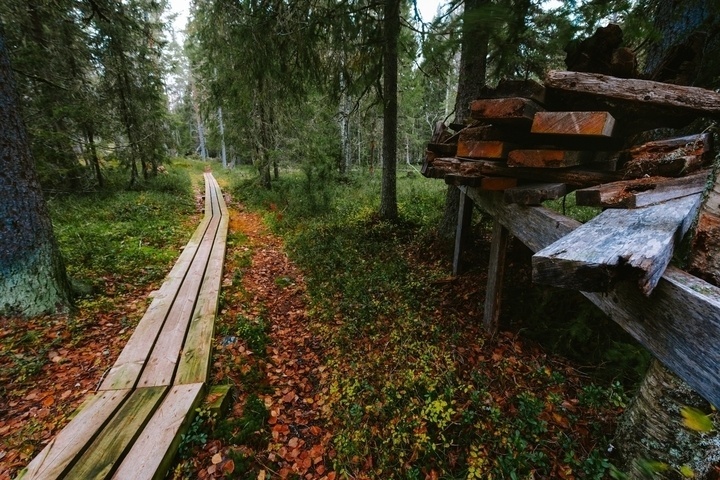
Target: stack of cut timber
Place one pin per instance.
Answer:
(537, 142)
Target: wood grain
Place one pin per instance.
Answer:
(505, 111)
(535, 193)
(548, 158)
(490, 149)
(585, 124)
(58, 455)
(595, 256)
(104, 454)
(496, 274)
(152, 453)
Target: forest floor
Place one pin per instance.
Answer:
(320, 391)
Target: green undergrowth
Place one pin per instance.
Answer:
(417, 389)
(118, 233)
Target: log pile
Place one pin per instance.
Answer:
(537, 142)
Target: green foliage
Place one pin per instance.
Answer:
(249, 429)
(197, 434)
(255, 333)
(120, 233)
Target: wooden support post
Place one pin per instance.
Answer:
(463, 228)
(496, 271)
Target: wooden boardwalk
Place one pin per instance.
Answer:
(130, 428)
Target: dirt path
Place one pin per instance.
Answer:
(262, 287)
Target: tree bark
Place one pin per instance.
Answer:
(32, 274)
(391, 33)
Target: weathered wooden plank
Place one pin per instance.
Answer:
(497, 183)
(152, 453)
(462, 232)
(641, 93)
(490, 149)
(594, 257)
(196, 354)
(126, 370)
(585, 124)
(161, 364)
(458, 180)
(505, 111)
(672, 157)
(705, 261)
(574, 177)
(103, 455)
(548, 158)
(679, 319)
(58, 455)
(534, 194)
(496, 273)
(443, 149)
(641, 192)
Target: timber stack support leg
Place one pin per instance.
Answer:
(496, 272)
(462, 233)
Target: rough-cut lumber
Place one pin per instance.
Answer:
(671, 157)
(679, 319)
(496, 273)
(615, 245)
(585, 124)
(458, 180)
(58, 455)
(105, 452)
(497, 183)
(548, 158)
(442, 149)
(534, 194)
(152, 453)
(637, 104)
(529, 89)
(705, 261)
(508, 111)
(489, 149)
(641, 192)
(574, 177)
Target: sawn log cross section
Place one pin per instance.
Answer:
(130, 428)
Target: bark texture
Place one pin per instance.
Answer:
(391, 34)
(32, 275)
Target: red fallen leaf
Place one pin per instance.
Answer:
(315, 430)
(211, 469)
(217, 458)
(288, 397)
(331, 476)
(293, 442)
(228, 467)
(320, 469)
(49, 400)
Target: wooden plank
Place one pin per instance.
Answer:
(458, 180)
(505, 111)
(162, 362)
(705, 261)
(497, 183)
(585, 124)
(548, 158)
(104, 454)
(496, 273)
(462, 232)
(535, 193)
(490, 149)
(152, 453)
(671, 157)
(679, 319)
(641, 192)
(196, 354)
(58, 455)
(574, 177)
(126, 370)
(595, 256)
(640, 93)
(442, 149)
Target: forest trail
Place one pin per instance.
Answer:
(292, 379)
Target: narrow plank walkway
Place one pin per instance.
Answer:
(130, 428)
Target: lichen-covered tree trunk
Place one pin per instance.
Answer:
(391, 33)
(32, 275)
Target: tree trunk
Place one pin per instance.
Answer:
(94, 160)
(391, 24)
(222, 138)
(651, 426)
(32, 274)
(473, 70)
